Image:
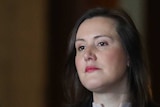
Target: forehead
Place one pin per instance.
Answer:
(96, 26)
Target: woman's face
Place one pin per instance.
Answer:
(100, 58)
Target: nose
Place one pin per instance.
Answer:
(90, 55)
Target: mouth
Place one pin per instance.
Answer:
(91, 69)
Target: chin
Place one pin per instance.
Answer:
(93, 86)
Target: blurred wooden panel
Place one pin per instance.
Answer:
(22, 53)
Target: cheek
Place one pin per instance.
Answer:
(115, 59)
(80, 67)
(122, 57)
(114, 65)
(78, 63)
(117, 55)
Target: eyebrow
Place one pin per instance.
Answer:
(96, 37)
(106, 36)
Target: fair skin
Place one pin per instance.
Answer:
(101, 61)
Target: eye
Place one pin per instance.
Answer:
(81, 48)
(102, 43)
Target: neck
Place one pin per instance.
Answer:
(113, 97)
(110, 99)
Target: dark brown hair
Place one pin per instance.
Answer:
(139, 82)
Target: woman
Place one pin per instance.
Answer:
(106, 66)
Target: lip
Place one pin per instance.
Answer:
(91, 69)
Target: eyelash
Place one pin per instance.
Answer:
(81, 48)
(102, 43)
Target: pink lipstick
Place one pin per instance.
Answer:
(91, 69)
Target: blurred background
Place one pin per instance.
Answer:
(33, 39)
